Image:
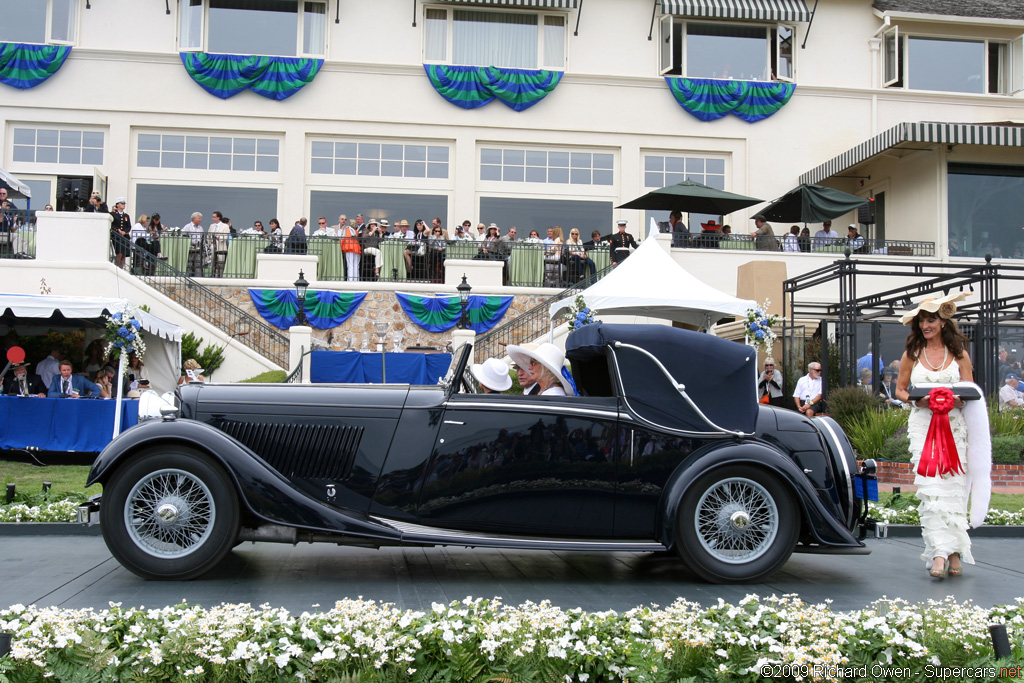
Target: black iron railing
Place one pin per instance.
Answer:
(376, 259)
(531, 324)
(805, 245)
(20, 243)
(250, 331)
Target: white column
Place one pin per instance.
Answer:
(301, 341)
(460, 337)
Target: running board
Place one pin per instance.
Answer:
(416, 533)
(832, 550)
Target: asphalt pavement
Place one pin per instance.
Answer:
(78, 571)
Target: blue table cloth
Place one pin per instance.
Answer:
(61, 424)
(352, 367)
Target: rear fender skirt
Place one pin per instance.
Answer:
(819, 523)
(264, 492)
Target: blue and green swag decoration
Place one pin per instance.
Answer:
(324, 310)
(709, 99)
(441, 313)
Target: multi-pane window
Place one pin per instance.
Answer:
(213, 153)
(544, 166)
(58, 146)
(951, 64)
(521, 40)
(750, 52)
(286, 28)
(662, 170)
(37, 21)
(394, 160)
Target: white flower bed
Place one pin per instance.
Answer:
(909, 516)
(485, 640)
(62, 511)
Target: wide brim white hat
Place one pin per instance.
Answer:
(547, 354)
(493, 374)
(943, 306)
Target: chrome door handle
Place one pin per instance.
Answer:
(453, 422)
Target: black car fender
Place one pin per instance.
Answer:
(264, 492)
(818, 521)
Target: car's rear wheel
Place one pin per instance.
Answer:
(171, 513)
(737, 524)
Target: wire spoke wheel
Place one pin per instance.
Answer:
(736, 520)
(170, 513)
(737, 523)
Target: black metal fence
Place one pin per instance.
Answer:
(375, 259)
(18, 244)
(247, 329)
(805, 245)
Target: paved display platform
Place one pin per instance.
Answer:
(78, 571)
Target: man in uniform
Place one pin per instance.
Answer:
(620, 244)
(120, 229)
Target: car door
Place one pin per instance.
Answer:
(523, 465)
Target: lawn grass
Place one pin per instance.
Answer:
(63, 478)
(1000, 501)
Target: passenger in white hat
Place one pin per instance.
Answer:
(546, 361)
(492, 375)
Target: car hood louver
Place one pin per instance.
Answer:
(295, 450)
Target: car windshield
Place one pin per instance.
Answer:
(453, 367)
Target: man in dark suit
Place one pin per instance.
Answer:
(67, 385)
(21, 383)
(620, 243)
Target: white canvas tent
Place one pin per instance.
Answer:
(17, 189)
(650, 283)
(163, 339)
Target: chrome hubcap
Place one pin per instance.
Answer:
(737, 520)
(169, 513)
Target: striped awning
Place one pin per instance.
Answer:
(761, 10)
(996, 134)
(539, 4)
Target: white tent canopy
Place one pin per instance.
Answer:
(650, 283)
(18, 188)
(163, 339)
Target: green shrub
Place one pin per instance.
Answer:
(268, 377)
(209, 358)
(869, 433)
(1007, 449)
(846, 405)
(1005, 422)
(897, 447)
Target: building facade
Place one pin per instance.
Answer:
(359, 106)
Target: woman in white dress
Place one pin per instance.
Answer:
(936, 353)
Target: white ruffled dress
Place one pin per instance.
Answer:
(943, 500)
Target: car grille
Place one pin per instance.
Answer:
(306, 451)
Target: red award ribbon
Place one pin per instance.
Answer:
(939, 456)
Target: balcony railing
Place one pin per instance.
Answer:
(525, 264)
(20, 243)
(804, 245)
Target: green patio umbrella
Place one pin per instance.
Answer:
(812, 204)
(691, 197)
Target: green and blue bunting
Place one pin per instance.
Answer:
(324, 310)
(26, 66)
(470, 87)
(276, 78)
(710, 99)
(441, 313)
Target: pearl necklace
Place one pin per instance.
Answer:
(945, 356)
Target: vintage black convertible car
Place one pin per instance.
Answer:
(665, 450)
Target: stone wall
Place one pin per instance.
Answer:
(377, 306)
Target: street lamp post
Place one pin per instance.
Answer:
(464, 289)
(300, 292)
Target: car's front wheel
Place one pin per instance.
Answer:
(170, 513)
(737, 524)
